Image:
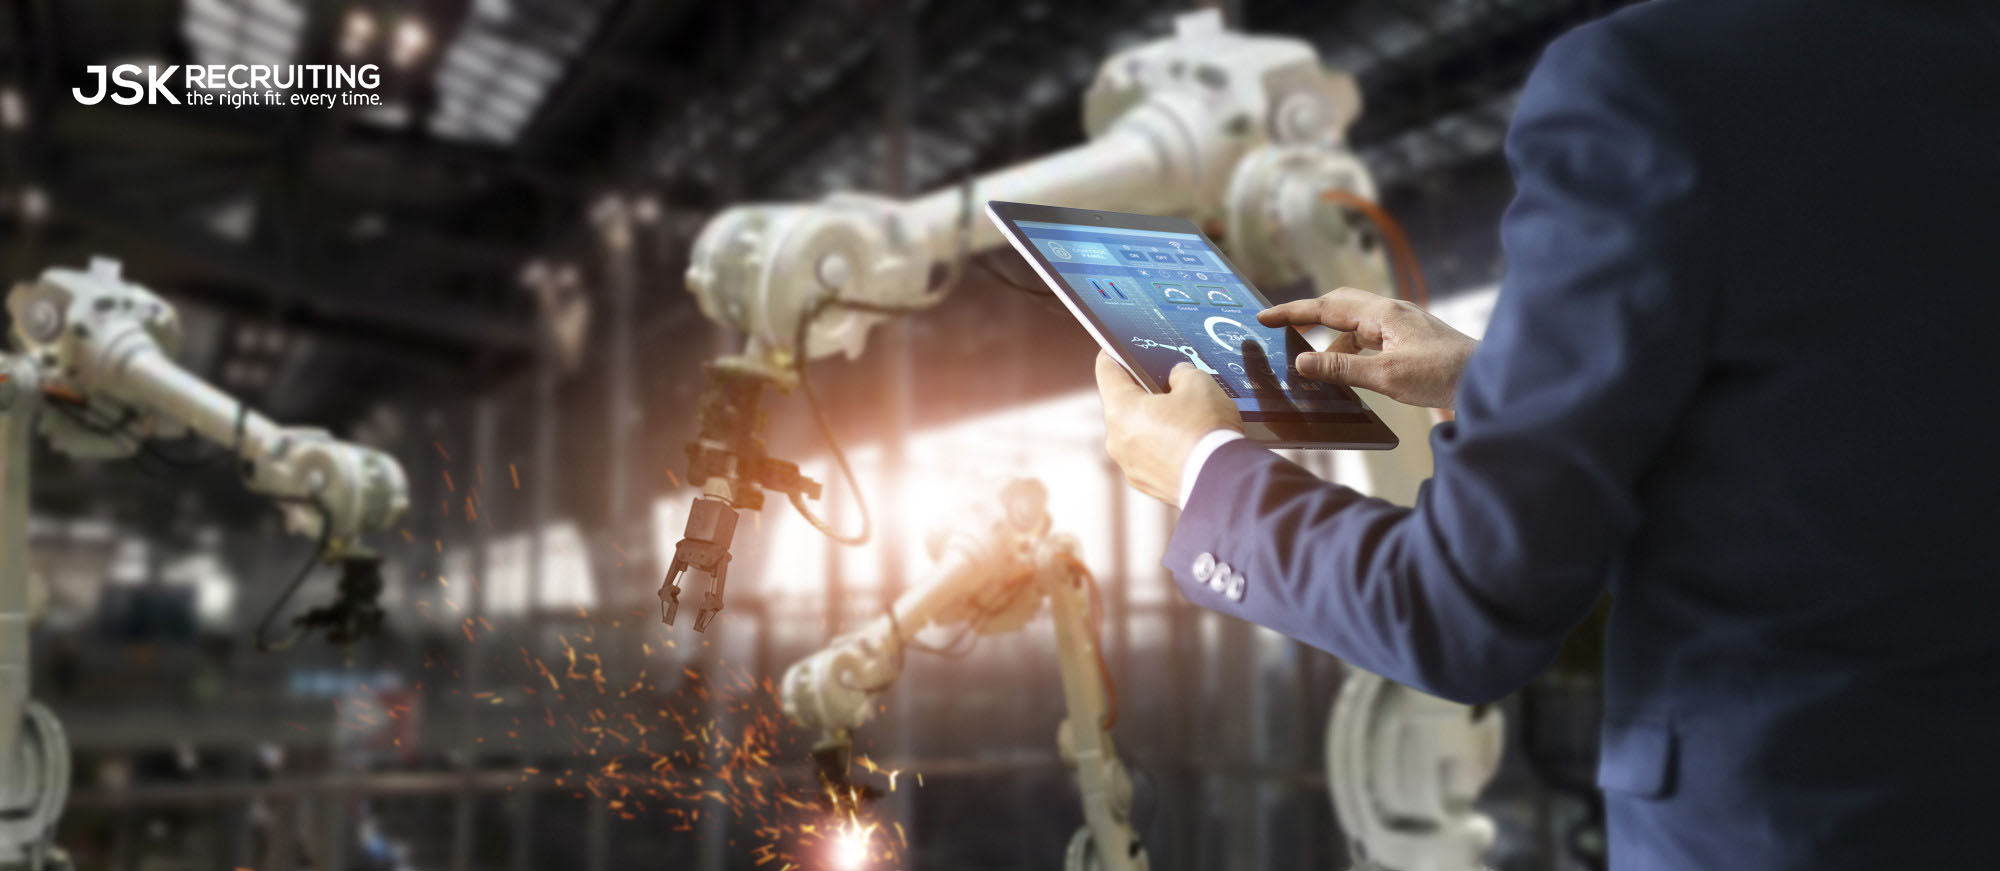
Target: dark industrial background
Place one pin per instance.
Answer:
(413, 276)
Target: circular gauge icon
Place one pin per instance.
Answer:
(1237, 368)
(1231, 335)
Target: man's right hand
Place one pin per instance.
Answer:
(1421, 357)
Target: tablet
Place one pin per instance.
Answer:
(1155, 292)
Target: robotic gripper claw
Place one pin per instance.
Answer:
(702, 555)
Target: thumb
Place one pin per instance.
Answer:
(1184, 377)
(1113, 382)
(1349, 370)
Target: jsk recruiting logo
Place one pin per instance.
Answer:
(325, 85)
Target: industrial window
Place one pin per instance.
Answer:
(232, 32)
(566, 577)
(1059, 441)
(507, 55)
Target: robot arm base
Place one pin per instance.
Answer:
(1405, 769)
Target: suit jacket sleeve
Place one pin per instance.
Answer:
(1594, 349)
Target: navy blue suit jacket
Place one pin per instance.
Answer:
(1740, 375)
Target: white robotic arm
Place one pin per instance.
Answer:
(1170, 124)
(1210, 124)
(994, 569)
(1217, 126)
(107, 346)
(96, 353)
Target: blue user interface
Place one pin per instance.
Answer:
(1168, 298)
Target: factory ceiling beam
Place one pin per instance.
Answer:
(210, 163)
(1433, 70)
(604, 59)
(354, 298)
(397, 149)
(759, 93)
(419, 354)
(1445, 144)
(1461, 69)
(105, 147)
(261, 277)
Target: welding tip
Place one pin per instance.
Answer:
(703, 617)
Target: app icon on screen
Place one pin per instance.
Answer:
(1217, 296)
(1173, 293)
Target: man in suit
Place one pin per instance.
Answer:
(1740, 376)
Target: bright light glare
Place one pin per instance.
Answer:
(411, 40)
(850, 847)
(357, 32)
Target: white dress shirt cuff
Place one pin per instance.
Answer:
(1197, 458)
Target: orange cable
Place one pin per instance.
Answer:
(63, 393)
(1403, 258)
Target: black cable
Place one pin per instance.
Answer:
(319, 551)
(305, 571)
(954, 273)
(846, 473)
(200, 464)
(1010, 282)
(119, 430)
(242, 421)
(176, 465)
(80, 415)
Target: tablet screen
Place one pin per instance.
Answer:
(1168, 298)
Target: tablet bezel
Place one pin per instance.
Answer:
(1322, 430)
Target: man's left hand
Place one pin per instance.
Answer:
(1150, 435)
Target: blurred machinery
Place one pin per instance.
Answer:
(1209, 124)
(92, 371)
(994, 569)
(1225, 128)
(1405, 769)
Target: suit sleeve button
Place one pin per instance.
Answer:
(1204, 567)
